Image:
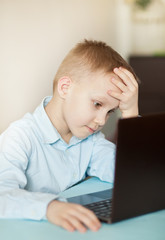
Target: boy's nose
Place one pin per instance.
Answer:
(100, 120)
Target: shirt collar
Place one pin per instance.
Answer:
(49, 133)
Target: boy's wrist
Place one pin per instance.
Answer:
(130, 113)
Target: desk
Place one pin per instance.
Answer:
(147, 227)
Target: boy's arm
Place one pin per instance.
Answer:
(129, 92)
(102, 163)
(16, 202)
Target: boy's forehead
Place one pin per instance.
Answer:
(94, 77)
(104, 82)
(96, 87)
(98, 84)
(100, 96)
(100, 87)
(104, 77)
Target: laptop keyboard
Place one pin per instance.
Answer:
(102, 208)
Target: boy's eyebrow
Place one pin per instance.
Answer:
(101, 98)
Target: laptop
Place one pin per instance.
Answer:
(139, 183)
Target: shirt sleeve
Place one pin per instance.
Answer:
(102, 163)
(15, 201)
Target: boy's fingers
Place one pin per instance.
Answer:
(90, 214)
(130, 75)
(87, 217)
(90, 222)
(68, 226)
(72, 216)
(77, 224)
(116, 95)
(126, 79)
(119, 84)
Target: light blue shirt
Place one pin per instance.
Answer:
(36, 164)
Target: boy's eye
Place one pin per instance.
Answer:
(97, 104)
(110, 111)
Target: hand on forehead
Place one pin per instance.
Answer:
(126, 91)
(112, 86)
(123, 80)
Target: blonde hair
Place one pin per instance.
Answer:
(90, 56)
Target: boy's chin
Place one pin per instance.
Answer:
(82, 136)
(82, 133)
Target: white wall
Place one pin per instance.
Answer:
(35, 36)
(148, 29)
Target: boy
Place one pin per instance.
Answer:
(60, 143)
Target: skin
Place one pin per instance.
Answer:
(80, 108)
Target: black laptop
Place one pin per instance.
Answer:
(139, 184)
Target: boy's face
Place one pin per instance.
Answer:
(87, 105)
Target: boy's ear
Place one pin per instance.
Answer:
(63, 86)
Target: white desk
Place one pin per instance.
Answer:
(146, 227)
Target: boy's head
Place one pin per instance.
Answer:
(89, 57)
(81, 86)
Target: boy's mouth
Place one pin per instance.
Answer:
(92, 130)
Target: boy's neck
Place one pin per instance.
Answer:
(54, 112)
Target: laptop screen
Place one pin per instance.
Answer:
(140, 167)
